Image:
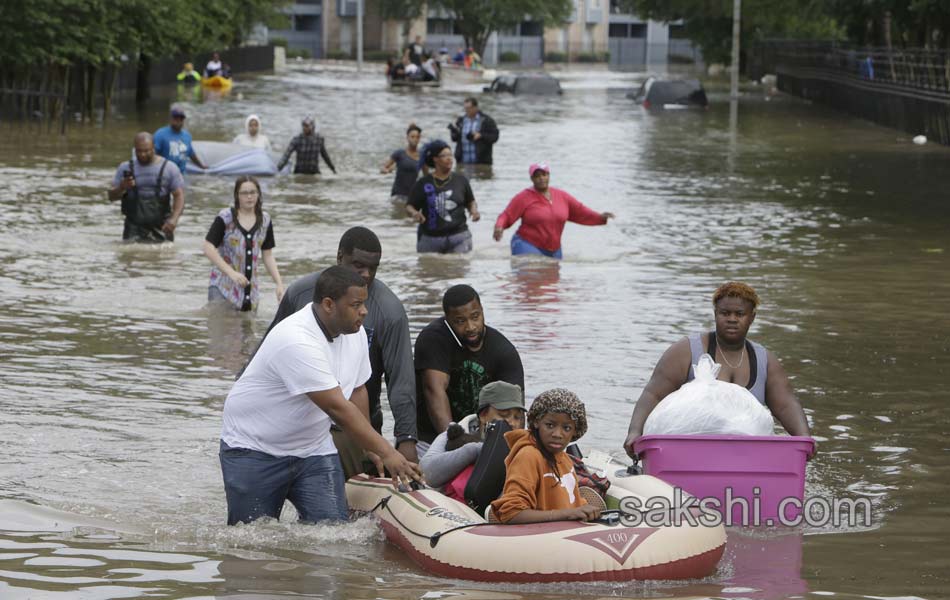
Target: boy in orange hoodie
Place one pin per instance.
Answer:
(540, 484)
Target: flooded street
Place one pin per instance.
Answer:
(114, 372)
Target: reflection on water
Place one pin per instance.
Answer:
(114, 370)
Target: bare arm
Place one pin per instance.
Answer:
(580, 513)
(217, 260)
(670, 373)
(473, 210)
(435, 388)
(414, 214)
(125, 184)
(178, 205)
(781, 400)
(388, 166)
(357, 425)
(270, 263)
(198, 161)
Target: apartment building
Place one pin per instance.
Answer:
(595, 30)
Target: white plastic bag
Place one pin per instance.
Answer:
(707, 406)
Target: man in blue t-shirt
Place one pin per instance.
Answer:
(173, 142)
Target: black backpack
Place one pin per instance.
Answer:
(488, 477)
(150, 211)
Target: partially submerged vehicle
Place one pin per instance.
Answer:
(525, 83)
(678, 93)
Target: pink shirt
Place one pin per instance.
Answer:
(542, 222)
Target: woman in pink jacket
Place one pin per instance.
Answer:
(543, 211)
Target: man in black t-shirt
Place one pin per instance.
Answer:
(456, 356)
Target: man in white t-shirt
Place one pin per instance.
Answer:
(311, 368)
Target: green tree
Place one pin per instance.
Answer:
(44, 42)
(708, 23)
(477, 19)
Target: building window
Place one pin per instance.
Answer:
(638, 30)
(306, 23)
(617, 30)
(532, 28)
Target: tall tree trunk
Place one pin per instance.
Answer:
(108, 85)
(89, 89)
(65, 101)
(888, 42)
(141, 78)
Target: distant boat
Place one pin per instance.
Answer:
(678, 93)
(414, 83)
(217, 82)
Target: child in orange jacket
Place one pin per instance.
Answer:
(540, 484)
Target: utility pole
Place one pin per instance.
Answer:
(359, 35)
(736, 22)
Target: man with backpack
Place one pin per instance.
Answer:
(152, 192)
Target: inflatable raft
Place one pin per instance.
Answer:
(217, 82)
(447, 538)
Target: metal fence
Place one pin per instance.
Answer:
(34, 107)
(906, 68)
(908, 89)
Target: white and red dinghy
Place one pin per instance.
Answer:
(450, 539)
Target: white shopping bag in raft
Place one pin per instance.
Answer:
(707, 406)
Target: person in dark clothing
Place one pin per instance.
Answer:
(405, 162)
(437, 202)
(309, 147)
(457, 355)
(390, 345)
(152, 192)
(474, 134)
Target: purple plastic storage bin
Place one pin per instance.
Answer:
(706, 465)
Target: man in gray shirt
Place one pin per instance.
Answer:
(152, 192)
(390, 346)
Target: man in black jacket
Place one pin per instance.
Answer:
(474, 133)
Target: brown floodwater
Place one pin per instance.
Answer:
(114, 372)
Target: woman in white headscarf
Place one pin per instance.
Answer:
(252, 135)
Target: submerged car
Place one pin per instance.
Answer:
(679, 93)
(526, 83)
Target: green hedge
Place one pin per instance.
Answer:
(279, 41)
(298, 53)
(378, 55)
(338, 54)
(555, 57)
(593, 57)
(510, 57)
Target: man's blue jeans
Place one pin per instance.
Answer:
(256, 485)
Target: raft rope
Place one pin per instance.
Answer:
(435, 537)
(608, 517)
